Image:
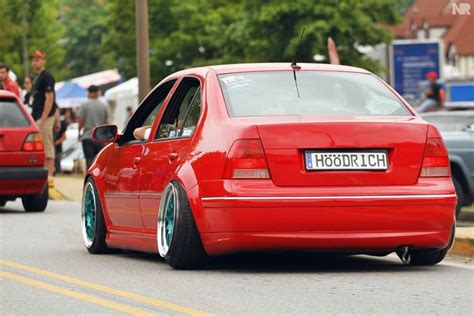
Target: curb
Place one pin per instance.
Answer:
(463, 247)
(56, 195)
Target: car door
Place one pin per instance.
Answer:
(123, 169)
(172, 138)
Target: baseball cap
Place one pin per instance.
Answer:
(38, 54)
(432, 75)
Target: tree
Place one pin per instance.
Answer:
(85, 25)
(41, 29)
(271, 29)
(118, 48)
(188, 33)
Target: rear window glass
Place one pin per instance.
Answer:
(11, 115)
(275, 93)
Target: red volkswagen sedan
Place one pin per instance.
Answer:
(257, 157)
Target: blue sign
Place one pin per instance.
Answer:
(411, 61)
(461, 92)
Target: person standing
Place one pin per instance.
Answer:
(92, 113)
(28, 85)
(6, 82)
(59, 137)
(44, 106)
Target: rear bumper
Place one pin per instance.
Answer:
(22, 173)
(354, 242)
(329, 222)
(16, 181)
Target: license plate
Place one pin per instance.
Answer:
(325, 160)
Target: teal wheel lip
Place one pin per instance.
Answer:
(89, 214)
(167, 219)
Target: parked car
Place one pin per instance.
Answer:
(72, 133)
(457, 130)
(257, 157)
(73, 158)
(22, 171)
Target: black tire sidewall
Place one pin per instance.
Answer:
(98, 243)
(186, 250)
(460, 194)
(37, 202)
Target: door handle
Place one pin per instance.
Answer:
(172, 156)
(136, 161)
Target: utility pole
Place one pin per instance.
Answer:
(143, 63)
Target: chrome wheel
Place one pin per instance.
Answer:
(89, 215)
(166, 219)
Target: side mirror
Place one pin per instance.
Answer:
(105, 134)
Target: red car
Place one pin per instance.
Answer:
(257, 157)
(22, 171)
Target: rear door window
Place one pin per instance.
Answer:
(11, 115)
(277, 93)
(183, 112)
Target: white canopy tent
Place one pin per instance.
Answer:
(98, 78)
(119, 98)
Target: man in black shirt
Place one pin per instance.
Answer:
(433, 94)
(44, 106)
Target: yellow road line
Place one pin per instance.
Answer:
(85, 297)
(109, 290)
(54, 194)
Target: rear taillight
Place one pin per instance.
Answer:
(435, 160)
(33, 142)
(246, 160)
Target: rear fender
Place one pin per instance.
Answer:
(186, 176)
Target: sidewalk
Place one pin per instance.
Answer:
(464, 243)
(69, 187)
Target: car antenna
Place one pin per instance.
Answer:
(294, 65)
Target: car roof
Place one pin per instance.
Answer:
(232, 68)
(237, 68)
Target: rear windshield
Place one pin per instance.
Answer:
(11, 115)
(275, 93)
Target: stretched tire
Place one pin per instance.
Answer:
(36, 202)
(92, 220)
(461, 197)
(431, 257)
(178, 239)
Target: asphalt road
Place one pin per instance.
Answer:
(45, 269)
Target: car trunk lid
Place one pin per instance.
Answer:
(401, 138)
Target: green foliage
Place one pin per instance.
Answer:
(92, 35)
(202, 32)
(271, 29)
(42, 32)
(119, 43)
(85, 25)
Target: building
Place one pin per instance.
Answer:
(451, 21)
